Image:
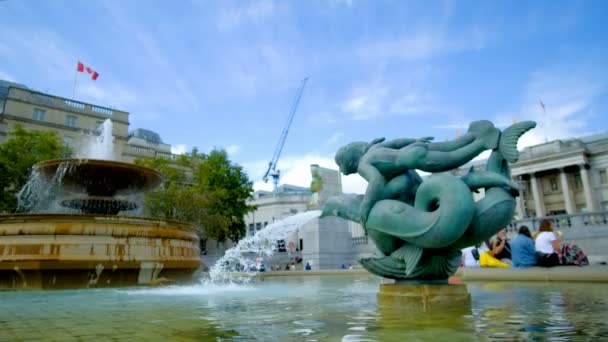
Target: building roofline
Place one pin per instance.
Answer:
(68, 99)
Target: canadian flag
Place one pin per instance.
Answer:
(82, 68)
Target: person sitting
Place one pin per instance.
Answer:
(522, 249)
(308, 268)
(470, 257)
(562, 253)
(547, 245)
(502, 247)
(487, 256)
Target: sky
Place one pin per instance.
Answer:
(223, 74)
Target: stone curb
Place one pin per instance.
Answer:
(595, 273)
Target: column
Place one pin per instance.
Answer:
(566, 191)
(520, 206)
(587, 188)
(538, 201)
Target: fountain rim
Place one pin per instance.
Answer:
(99, 218)
(104, 162)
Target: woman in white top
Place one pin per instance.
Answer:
(547, 245)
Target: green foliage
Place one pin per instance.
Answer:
(205, 189)
(18, 155)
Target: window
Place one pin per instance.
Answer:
(265, 224)
(70, 120)
(98, 125)
(258, 226)
(69, 142)
(39, 114)
(251, 230)
(203, 246)
(281, 246)
(553, 184)
(603, 177)
(301, 245)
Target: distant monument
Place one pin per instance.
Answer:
(420, 227)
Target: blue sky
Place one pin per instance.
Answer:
(223, 73)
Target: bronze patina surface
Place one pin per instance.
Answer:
(420, 226)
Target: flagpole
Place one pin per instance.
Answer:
(74, 90)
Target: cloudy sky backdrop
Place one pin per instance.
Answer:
(223, 73)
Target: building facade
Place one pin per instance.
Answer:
(325, 243)
(74, 122)
(563, 177)
(286, 201)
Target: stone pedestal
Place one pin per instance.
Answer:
(418, 307)
(424, 297)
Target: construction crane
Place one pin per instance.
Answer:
(272, 165)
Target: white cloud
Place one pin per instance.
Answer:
(233, 149)
(380, 99)
(295, 170)
(106, 93)
(366, 101)
(235, 15)
(334, 138)
(423, 44)
(47, 54)
(568, 96)
(180, 149)
(6, 76)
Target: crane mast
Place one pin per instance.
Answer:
(272, 171)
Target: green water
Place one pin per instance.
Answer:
(331, 308)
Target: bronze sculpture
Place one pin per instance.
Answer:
(420, 226)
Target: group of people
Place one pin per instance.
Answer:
(545, 248)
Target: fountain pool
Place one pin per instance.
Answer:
(329, 308)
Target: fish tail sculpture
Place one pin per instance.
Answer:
(495, 211)
(486, 132)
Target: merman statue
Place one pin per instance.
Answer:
(420, 227)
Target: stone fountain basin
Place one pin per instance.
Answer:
(101, 177)
(50, 251)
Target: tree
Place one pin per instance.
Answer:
(205, 189)
(18, 155)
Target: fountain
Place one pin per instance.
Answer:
(420, 227)
(95, 247)
(44, 250)
(262, 244)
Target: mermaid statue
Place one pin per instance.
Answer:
(419, 226)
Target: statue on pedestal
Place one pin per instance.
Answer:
(420, 226)
(316, 185)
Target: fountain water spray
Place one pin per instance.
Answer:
(101, 146)
(40, 194)
(262, 244)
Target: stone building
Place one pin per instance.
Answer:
(73, 121)
(563, 177)
(286, 201)
(325, 243)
